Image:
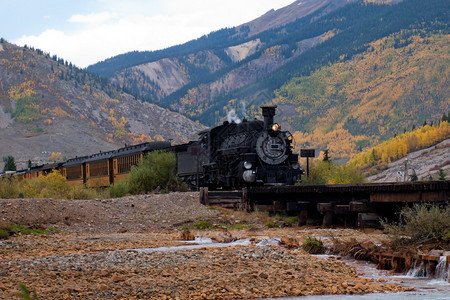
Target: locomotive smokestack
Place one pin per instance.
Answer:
(268, 113)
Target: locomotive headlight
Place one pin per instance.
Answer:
(248, 165)
(276, 127)
(295, 166)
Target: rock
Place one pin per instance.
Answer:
(117, 278)
(436, 252)
(223, 238)
(289, 242)
(263, 275)
(186, 235)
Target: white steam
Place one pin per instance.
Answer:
(232, 117)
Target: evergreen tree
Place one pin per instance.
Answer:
(30, 164)
(414, 177)
(442, 174)
(10, 164)
(326, 156)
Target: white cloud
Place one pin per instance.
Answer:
(102, 35)
(93, 18)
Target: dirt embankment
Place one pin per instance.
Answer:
(96, 254)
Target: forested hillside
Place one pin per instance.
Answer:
(401, 81)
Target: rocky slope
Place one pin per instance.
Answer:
(424, 163)
(47, 105)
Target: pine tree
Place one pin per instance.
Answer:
(442, 174)
(10, 164)
(326, 156)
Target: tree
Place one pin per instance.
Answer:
(414, 177)
(30, 164)
(326, 156)
(10, 164)
(442, 174)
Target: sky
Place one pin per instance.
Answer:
(88, 31)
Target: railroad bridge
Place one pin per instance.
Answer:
(355, 205)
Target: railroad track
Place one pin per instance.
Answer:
(353, 205)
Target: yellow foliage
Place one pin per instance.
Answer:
(274, 51)
(159, 138)
(119, 126)
(375, 93)
(138, 138)
(399, 146)
(340, 142)
(53, 185)
(24, 89)
(55, 156)
(60, 113)
(48, 121)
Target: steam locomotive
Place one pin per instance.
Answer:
(228, 156)
(234, 155)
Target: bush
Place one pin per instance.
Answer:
(9, 187)
(82, 193)
(327, 172)
(157, 169)
(4, 235)
(420, 223)
(53, 185)
(313, 246)
(119, 189)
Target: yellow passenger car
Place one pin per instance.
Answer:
(75, 170)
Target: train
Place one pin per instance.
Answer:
(230, 156)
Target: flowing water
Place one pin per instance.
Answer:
(437, 288)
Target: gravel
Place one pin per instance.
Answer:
(92, 256)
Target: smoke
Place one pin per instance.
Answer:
(232, 117)
(244, 110)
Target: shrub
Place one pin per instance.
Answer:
(313, 246)
(119, 189)
(327, 172)
(420, 223)
(53, 185)
(82, 193)
(157, 169)
(4, 235)
(9, 187)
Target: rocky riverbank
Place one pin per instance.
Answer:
(95, 255)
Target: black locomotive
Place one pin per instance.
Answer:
(236, 155)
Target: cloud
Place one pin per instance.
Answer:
(97, 42)
(93, 18)
(97, 36)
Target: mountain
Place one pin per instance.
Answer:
(48, 105)
(345, 74)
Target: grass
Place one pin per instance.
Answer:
(313, 246)
(7, 230)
